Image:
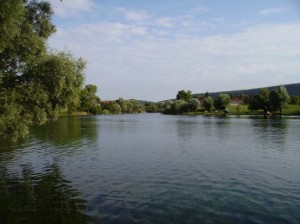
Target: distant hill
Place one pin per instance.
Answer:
(143, 102)
(292, 89)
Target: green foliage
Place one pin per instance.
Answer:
(166, 107)
(184, 95)
(260, 101)
(279, 99)
(184, 104)
(192, 105)
(264, 95)
(238, 109)
(276, 100)
(255, 103)
(181, 106)
(12, 15)
(89, 102)
(105, 112)
(35, 85)
(295, 100)
(178, 107)
(113, 107)
(122, 106)
(291, 110)
(222, 101)
(208, 103)
(130, 106)
(152, 108)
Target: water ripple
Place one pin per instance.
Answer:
(168, 169)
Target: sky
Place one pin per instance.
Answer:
(151, 49)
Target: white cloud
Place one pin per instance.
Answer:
(67, 8)
(271, 11)
(100, 34)
(166, 22)
(136, 16)
(125, 60)
(185, 22)
(198, 10)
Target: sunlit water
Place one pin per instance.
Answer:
(152, 168)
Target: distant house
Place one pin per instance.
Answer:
(201, 101)
(236, 100)
(104, 102)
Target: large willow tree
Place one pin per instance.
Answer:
(35, 84)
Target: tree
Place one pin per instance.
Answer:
(208, 103)
(136, 107)
(178, 107)
(166, 107)
(255, 103)
(295, 100)
(88, 99)
(35, 84)
(130, 106)
(260, 101)
(192, 105)
(264, 95)
(122, 103)
(222, 101)
(113, 107)
(279, 99)
(151, 107)
(184, 95)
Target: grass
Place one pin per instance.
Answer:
(291, 110)
(240, 109)
(243, 110)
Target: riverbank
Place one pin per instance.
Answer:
(243, 110)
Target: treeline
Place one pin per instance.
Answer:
(186, 103)
(91, 104)
(266, 101)
(122, 106)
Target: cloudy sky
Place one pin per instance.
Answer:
(151, 49)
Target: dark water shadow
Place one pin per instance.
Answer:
(45, 197)
(272, 129)
(67, 131)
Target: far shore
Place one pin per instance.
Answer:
(290, 110)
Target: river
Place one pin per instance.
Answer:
(153, 168)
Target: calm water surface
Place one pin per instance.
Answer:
(152, 168)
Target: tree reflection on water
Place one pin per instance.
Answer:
(39, 197)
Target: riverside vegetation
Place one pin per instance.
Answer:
(273, 102)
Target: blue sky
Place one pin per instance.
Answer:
(150, 50)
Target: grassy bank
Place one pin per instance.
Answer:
(289, 110)
(243, 110)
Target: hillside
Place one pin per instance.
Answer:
(293, 90)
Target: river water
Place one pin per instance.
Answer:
(153, 168)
